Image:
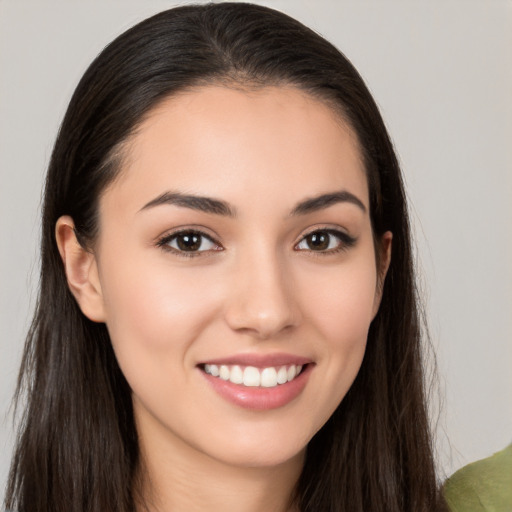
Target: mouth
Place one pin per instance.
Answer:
(258, 382)
(253, 377)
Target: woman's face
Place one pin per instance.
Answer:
(235, 250)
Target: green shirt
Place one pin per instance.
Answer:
(483, 486)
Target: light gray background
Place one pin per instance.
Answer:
(441, 72)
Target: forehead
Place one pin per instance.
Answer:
(222, 141)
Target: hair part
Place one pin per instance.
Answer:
(77, 449)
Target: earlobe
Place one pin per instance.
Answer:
(384, 261)
(81, 270)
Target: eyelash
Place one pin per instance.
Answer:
(345, 242)
(167, 239)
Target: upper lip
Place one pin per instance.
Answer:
(259, 360)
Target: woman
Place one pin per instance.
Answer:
(227, 315)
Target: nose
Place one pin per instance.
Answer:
(262, 302)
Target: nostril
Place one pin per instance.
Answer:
(260, 325)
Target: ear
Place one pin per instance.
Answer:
(384, 259)
(81, 270)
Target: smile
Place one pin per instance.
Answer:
(250, 376)
(258, 381)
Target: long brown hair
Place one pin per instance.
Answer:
(77, 449)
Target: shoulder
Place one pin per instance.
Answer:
(485, 485)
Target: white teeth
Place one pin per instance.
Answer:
(269, 378)
(237, 375)
(224, 372)
(251, 376)
(282, 375)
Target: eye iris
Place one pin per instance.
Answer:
(318, 241)
(189, 241)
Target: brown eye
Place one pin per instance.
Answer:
(189, 242)
(318, 241)
(324, 240)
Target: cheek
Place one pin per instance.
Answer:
(339, 307)
(341, 303)
(157, 309)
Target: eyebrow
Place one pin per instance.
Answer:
(323, 201)
(203, 204)
(219, 207)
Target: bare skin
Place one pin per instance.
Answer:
(256, 271)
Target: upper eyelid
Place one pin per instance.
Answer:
(163, 243)
(167, 235)
(330, 229)
(346, 241)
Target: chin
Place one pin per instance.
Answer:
(253, 450)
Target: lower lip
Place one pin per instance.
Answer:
(259, 398)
